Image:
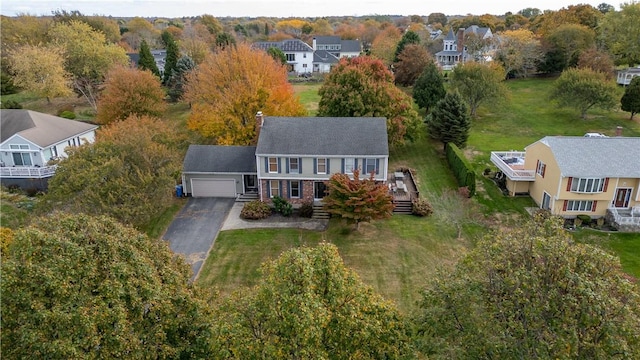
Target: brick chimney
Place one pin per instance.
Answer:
(259, 122)
(619, 131)
(460, 36)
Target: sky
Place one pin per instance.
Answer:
(278, 8)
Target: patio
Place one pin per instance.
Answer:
(402, 186)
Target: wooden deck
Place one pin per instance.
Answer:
(399, 194)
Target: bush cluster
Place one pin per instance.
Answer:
(282, 206)
(421, 207)
(462, 169)
(255, 210)
(306, 209)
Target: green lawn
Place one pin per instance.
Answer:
(396, 256)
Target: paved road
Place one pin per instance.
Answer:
(196, 227)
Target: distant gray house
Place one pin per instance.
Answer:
(456, 51)
(293, 159)
(337, 47)
(298, 53)
(159, 56)
(31, 139)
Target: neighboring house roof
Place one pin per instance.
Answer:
(323, 136)
(479, 31)
(323, 56)
(596, 157)
(450, 36)
(635, 70)
(218, 158)
(350, 46)
(325, 40)
(41, 129)
(289, 45)
(449, 52)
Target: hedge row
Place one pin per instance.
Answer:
(462, 170)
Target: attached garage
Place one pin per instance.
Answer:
(213, 187)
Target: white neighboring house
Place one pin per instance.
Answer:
(625, 76)
(298, 53)
(456, 51)
(31, 139)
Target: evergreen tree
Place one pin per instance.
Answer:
(177, 81)
(409, 37)
(146, 60)
(277, 55)
(631, 99)
(429, 87)
(171, 60)
(449, 121)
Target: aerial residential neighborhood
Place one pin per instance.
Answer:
(321, 181)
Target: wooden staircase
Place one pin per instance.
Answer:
(247, 197)
(319, 212)
(402, 207)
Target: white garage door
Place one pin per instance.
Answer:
(213, 188)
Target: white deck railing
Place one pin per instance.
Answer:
(28, 172)
(624, 217)
(497, 158)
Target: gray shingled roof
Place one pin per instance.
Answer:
(323, 136)
(449, 53)
(350, 46)
(223, 159)
(596, 157)
(450, 35)
(289, 45)
(323, 56)
(41, 129)
(324, 40)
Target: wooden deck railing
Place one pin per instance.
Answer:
(28, 172)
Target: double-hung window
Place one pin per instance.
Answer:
(273, 165)
(294, 165)
(294, 190)
(349, 165)
(321, 166)
(369, 166)
(274, 188)
(540, 169)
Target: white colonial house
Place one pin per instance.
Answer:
(31, 140)
(298, 53)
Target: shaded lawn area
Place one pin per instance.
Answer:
(308, 93)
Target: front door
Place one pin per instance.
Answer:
(319, 190)
(250, 183)
(546, 201)
(623, 195)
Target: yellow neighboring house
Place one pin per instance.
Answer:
(569, 175)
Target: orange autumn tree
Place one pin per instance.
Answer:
(230, 87)
(130, 92)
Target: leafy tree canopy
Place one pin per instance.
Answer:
(429, 87)
(128, 91)
(411, 63)
(478, 84)
(410, 37)
(623, 45)
(76, 286)
(357, 200)
(363, 86)
(309, 305)
(230, 87)
(584, 89)
(531, 292)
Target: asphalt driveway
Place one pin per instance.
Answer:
(196, 227)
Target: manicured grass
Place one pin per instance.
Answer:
(308, 93)
(158, 225)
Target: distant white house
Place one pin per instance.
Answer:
(456, 51)
(298, 53)
(31, 139)
(625, 76)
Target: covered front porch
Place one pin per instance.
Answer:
(624, 220)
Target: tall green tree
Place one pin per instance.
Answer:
(127, 173)
(410, 37)
(449, 121)
(531, 292)
(178, 80)
(357, 200)
(584, 89)
(308, 305)
(429, 87)
(631, 99)
(622, 45)
(146, 60)
(173, 54)
(363, 86)
(88, 56)
(479, 84)
(84, 287)
(277, 55)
